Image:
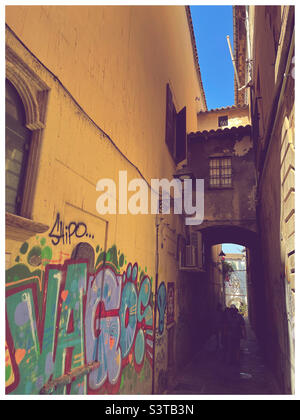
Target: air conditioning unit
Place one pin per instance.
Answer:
(193, 258)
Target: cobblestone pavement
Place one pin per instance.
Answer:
(207, 374)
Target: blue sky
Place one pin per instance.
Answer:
(232, 248)
(211, 26)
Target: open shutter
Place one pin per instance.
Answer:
(181, 136)
(170, 122)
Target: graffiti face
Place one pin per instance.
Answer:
(77, 318)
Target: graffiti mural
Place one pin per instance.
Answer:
(61, 317)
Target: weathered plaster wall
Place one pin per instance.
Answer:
(236, 116)
(228, 205)
(277, 235)
(121, 50)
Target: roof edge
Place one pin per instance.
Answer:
(220, 131)
(195, 52)
(225, 108)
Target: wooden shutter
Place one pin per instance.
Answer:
(175, 129)
(170, 122)
(181, 135)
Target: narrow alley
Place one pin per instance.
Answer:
(207, 374)
(149, 186)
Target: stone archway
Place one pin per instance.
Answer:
(217, 233)
(220, 233)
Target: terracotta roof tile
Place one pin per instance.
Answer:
(221, 131)
(225, 108)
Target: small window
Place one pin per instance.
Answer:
(17, 143)
(220, 172)
(223, 121)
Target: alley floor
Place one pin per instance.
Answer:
(207, 374)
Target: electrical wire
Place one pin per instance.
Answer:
(78, 105)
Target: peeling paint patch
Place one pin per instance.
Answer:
(242, 147)
(236, 122)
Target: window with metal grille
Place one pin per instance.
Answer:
(223, 121)
(17, 142)
(220, 172)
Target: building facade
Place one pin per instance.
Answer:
(267, 68)
(104, 294)
(90, 308)
(223, 118)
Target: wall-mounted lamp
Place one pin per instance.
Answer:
(184, 173)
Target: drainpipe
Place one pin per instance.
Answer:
(157, 223)
(248, 43)
(249, 83)
(233, 62)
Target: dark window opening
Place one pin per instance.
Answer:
(223, 121)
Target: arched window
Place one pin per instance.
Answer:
(17, 145)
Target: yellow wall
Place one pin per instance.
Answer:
(236, 116)
(115, 63)
(121, 50)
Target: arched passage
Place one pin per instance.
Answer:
(219, 234)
